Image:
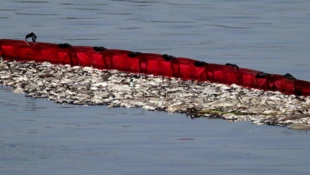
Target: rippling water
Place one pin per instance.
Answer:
(40, 137)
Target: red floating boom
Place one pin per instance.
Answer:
(148, 63)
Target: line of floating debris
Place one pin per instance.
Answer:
(88, 86)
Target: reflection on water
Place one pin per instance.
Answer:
(37, 135)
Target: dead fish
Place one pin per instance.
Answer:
(293, 117)
(1, 62)
(299, 126)
(90, 86)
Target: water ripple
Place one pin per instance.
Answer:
(92, 4)
(19, 1)
(136, 1)
(169, 22)
(228, 26)
(37, 14)
(8, 10)
(84, 9)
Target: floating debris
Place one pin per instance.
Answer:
(299, 126)
(186, 138)
(88, 86)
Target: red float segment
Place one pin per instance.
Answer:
(302, 87)
(120, 60)
(26, 51)
(112, 59)
(251, 79)
(10, 49)
(222, 74)
(163, 67)
(84, 56)
(148, 63)
(280, 83)
(184, 68)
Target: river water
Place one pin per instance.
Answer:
(40, 137)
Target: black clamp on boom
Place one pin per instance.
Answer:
(168, 57)
(134, 54)
(261, 75)
(200, 63)
(289, 76)
(64, 45)
(232, 65)
(99, 49)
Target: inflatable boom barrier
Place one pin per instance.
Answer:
(149, 63)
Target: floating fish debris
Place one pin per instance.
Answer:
(88, 86)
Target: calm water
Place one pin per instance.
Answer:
(40, 137)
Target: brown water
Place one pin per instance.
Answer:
(40, 137)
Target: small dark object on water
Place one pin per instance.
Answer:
(185, 138)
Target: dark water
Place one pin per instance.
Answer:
(40, 137)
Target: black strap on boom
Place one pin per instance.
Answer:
(232, 65)
(64, 45)
(261, 75)
(200, 63)
(99, 49)
(168, 57)
(289, 76)
(133, 54)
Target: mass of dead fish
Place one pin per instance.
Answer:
(88, 86)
